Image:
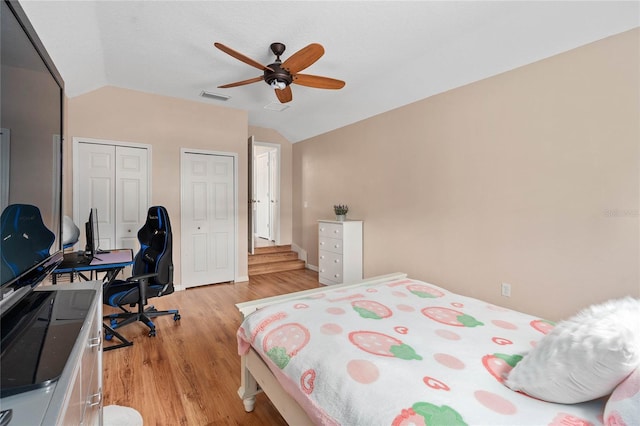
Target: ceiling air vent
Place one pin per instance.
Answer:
(214, 96)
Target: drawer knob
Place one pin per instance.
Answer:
(95, 399)
(337, 275)
(95, 341)
(337, 261)
(337, 245)
(321, 243)
(321, 257)
(336, 231)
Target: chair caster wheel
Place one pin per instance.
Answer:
(176, 317)
(152, 333)
(108, 336)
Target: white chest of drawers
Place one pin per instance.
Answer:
(339, 251)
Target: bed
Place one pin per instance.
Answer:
(393, 351)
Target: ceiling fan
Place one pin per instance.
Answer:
(279, 75)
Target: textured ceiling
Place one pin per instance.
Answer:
(389, 53)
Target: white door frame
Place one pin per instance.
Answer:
(5, 165)
(184, 151)
(275, 220)
(76, 166)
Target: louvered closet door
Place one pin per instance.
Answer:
(113, 179)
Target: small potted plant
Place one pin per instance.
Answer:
(341, 211)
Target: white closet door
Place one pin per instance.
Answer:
(114, 179)
(131, 192)
(208, 219)
(96, 188)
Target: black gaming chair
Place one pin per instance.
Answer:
(25, 239)
(152, 275)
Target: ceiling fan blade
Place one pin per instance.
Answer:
(318, 81)
(239, 56)
(285, 95)
(303, 58)
(242, 83)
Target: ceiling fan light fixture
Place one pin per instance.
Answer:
(277, 84)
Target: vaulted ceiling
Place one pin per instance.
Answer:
(390, 53)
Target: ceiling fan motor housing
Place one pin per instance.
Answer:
(278, 73)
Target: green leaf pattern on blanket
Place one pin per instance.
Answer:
(469, 321)
(365, 313)
(512, 360)
(426, 414)
(435, 416)
(279, 356)
(404, 352)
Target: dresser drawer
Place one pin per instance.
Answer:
(330, 266)
(330, 230)
(330, 244)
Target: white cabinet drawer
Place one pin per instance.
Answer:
(330, 244)
(339, 251)
(330, 230)
(330, 266)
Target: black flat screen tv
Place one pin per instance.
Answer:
(31, 106)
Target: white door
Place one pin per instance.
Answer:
(251, 197)
(96, 188)
(267, 177)
(131, 196)
(208, 218)
(274, 196)
(115, 180)
(263, 209)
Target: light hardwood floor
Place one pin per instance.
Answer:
(189, 373)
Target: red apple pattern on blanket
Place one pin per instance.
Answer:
(380, 344)
(499, 365)
(371, 309)
(424, 291)
(543, 326)
(426, 414)
(451, 317)
(284, 342)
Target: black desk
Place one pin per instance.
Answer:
(110, 262)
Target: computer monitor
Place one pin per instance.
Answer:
(92, 234)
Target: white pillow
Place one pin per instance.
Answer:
(584, 357)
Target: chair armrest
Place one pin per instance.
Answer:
(143, 277)
(143, 281)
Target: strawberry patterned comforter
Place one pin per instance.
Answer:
(404, 353)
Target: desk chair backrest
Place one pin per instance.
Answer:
(25, 239)
(156, 249)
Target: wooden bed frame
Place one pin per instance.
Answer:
(255, 375)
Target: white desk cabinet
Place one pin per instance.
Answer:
(339, 251)
(76, 397)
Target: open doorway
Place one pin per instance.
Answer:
(266, 193)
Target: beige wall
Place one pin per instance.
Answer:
(530, 177)
(262, 134)
(168, 124)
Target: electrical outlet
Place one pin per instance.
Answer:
(506, 289)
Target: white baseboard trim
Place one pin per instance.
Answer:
(241, 279)
(302, 253)
(312, 267)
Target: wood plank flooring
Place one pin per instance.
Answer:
(189, 373)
